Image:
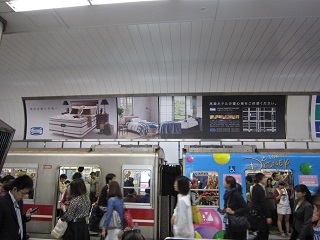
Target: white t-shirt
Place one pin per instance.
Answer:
(183, 223)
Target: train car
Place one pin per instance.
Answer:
(209, 165)
(140, 163)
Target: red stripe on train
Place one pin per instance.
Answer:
(45, 210)
(142, 214)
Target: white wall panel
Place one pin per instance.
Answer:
(296, 145)
(275, 145)
(298, 111)
(171, 151)
(53, 145)
(314, 145)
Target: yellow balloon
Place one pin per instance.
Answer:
(197, 235)
(221, 158)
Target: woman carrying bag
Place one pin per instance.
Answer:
(182, 217)
(77, 212)
(234, 205)
(114, 210)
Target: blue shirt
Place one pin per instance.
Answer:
(114, 203)
(145, 199)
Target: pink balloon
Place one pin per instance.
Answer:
(190, 159)
(210, 217)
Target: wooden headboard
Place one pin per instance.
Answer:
(85, 103)
(127, 118)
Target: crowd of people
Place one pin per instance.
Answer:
(74, 207)
(269, 201)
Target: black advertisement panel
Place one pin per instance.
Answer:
(244, 117)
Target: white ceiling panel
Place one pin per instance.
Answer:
(167, 47)
(137, 13)
(258, 9)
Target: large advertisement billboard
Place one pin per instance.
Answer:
(156, 117)
(243, 117)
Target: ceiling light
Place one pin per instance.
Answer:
(100, 2)
(31, 5)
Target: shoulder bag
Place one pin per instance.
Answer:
(127, 219)
(240, 223)
(115, 221)
(196, 215)
(59, 229)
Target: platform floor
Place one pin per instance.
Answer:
(273, 235)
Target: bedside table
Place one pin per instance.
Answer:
(101, 119)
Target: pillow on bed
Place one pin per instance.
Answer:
(86, 112)
(74, 111)
(191, 119)
(136, 119)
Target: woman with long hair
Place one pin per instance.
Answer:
(303, 211)
(77, 212)
(115, 202)
(181, 219)
(234, 204)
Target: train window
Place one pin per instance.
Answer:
(274, 176)
(206, 185)
(137, 184)
(70, 170)
(17, 170)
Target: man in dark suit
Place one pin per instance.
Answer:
(260, 205)
(12, 221)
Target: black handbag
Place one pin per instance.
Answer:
(240, 223)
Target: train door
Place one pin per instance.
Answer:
(64, 177)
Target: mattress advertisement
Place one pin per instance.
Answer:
(96, 118)
(315, 117)
(69, 118)
(244, 117)
(156, 117)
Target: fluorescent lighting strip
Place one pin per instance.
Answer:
(101, 2)
(32, 5)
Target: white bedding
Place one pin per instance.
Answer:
(69, 126)
(188, 123)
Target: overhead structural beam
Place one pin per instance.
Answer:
(3, 24)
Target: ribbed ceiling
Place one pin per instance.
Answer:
(173, 46)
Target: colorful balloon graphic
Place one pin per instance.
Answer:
(190, 159)
(207, 231)
(197, 235)
(305, 168)
(219, 235)
(221, 158)
(210, 218)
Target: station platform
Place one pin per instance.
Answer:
(273, 235)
